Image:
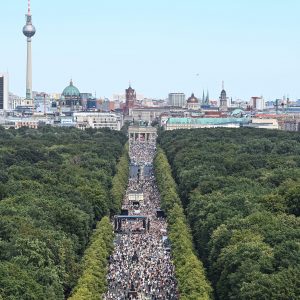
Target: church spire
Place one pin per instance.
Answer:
(207, 98)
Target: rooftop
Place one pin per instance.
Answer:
(207, 121)
(71, 91)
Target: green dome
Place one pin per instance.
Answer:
(71, 91)
(237, 112)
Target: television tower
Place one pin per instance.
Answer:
(29, 32)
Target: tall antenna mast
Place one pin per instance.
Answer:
(223, 84)
(29, 10)
(29, 32)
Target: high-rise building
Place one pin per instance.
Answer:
(257, 103)
(177, 99)
(29, 32)
(4, 91)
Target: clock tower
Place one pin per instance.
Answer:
(130, 99)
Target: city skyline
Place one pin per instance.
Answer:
(161, 48)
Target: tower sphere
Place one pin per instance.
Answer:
(29, 30)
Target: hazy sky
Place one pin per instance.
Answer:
(160, 45)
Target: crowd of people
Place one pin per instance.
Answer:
(140, 266)
(142, 153)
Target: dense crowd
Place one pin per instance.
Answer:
(142, 153)
(140, 267)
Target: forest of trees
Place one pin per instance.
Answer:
(241, 192)
(55, 185)
(189, 270)
(92, 282)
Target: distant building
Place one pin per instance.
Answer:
(65, 121)
(257, 103)
(293, 110)
(104, 105)
(144, 134)
(4, 94)
(70, 97)
(130, 100)
(42, 102)
(205, 99)
(191, 123)
(264, 123)
(238, 113)
(14, 101)
(55, 96)
(148, 103)
(31, 122)
(112, 106)
(176, 99)
(96, 120)
(85, 99)
(223, 100)
(292, 124)
(86, 96)
(269, 104)
(90, 104)
(148, 114)
(193, 103)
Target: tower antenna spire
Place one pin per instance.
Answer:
(223, 84)
(29, 9)
(29, 32)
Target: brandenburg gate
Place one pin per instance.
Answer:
(142, 134)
